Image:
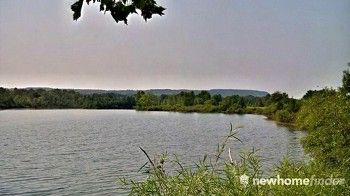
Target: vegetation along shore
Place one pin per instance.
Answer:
(324, 114)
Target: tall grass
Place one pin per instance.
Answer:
(219, 176)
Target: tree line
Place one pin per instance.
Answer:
(276, 105)
(59, 99)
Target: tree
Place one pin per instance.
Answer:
(205, 95)
(216, 99)
(326, 117)
(279, 97)
(241, 103)
(346, 81)
(188, 98)
(121, 9)
(146, 100)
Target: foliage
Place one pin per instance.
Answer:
(277, 106)
(309, 170)
(326, 116)
(56, 98)
(216, 99)
(121, 9)
(217, 176)
(346, 82)
(284, 116)
(146, 99)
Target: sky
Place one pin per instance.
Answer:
(270, 45)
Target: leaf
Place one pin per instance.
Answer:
(76, 8)
(121, 9)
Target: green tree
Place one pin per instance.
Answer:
(188, 98)
(202, 97)
(326, 117)
(346, 81)
(146, 100)
(279, 97)
(241, 103)
(225, 103)
(56, 98)
(216, 99)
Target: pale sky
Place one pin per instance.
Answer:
(269, 45)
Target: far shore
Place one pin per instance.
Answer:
(291, 125)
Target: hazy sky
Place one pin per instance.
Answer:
(268, 45)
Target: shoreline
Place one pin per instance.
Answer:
(285, 124)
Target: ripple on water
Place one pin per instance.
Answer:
(75, 152)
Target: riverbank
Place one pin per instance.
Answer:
(325, 116)
(277, 116)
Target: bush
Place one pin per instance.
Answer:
(326, 117)
(284, 116)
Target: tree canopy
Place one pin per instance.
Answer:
(346, 81)
(121, 9)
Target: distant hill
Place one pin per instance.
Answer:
(223, 92)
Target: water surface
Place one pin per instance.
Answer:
(74, 152)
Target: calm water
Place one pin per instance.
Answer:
(74, 152)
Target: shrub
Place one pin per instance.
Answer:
(326, 117)
(284, 116)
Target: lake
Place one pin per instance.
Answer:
(74, 152)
